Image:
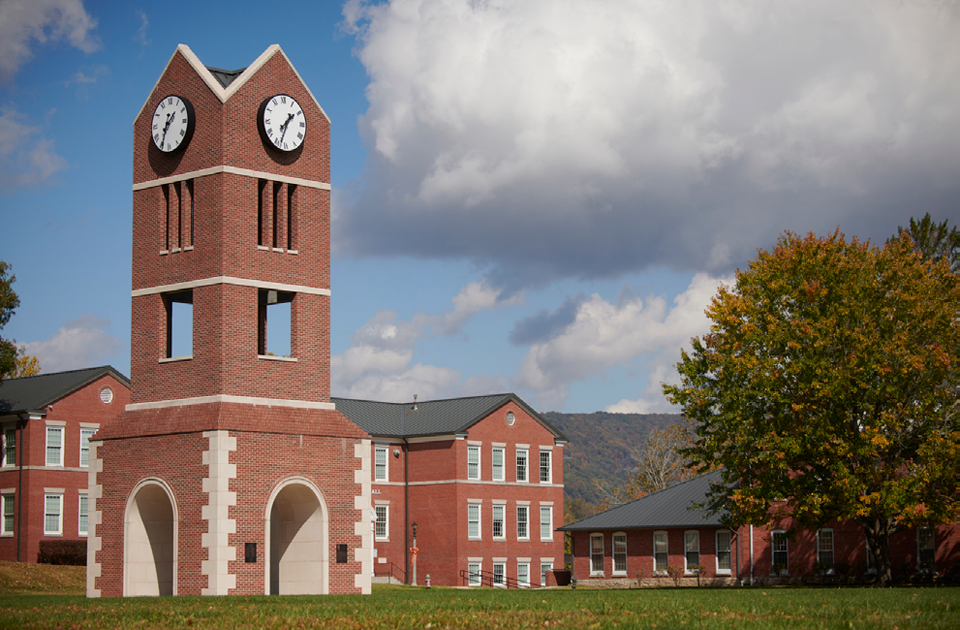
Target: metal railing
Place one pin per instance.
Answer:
(488, 578)
(389, 570)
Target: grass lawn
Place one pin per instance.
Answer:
(407, 607)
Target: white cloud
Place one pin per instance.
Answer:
(80, 343)
(562, 138)
(26, 157)
(142, 31)
(378, 365)
(26, 23)
(603, 335)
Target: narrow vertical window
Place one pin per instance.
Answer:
(191, 209)
(179, 311)
(596, 554)
(54, 446)
(10, 447)
(825, 550)
(499, 575)
(261, 213)
(275, 218)
(781, 565)
(53, 514)
(292, 216)
(691, 550)
(620, 553)
(273, 334)
(473, 570)
(521, 465)
(380, 463)
(382, 529)
(926, 549)
(545, 471)
(177, 240)
(497, 460)
(473, 521)
(546, 522)
(85, 435)
(523, 531)
(6, 526)
(523, 574)
(83, 511)
(724, 563)
(498, 528)
(473, 462)
(660, 554)
(166, 217)
(544, 567)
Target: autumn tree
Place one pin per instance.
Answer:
(8, 303)
(25, 364)
(826, 388)
(934, 240)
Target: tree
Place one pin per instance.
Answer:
(934, 240)
(826, 388)
(26, 364)
(8, 303)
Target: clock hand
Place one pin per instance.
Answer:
(167, 126)
(283, 127)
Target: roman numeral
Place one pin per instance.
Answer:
(300, 135)
(283, 99)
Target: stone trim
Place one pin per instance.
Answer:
(361, 502)
(240, 282)
(94, 519)
(219, 526)
(226, 398)
(230, 170)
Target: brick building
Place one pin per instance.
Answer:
(643, 537)
(482, 478)
(46, 423)
(230, 471)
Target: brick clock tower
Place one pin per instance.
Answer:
(231, 472)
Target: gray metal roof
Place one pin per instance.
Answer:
(33, 393)
(668, 508)
(225, 77)
(432, 417)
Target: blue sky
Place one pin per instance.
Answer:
(536, 196)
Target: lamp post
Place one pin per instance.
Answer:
(413, 551)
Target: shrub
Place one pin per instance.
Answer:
(67, 552)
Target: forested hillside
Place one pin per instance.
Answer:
(599, 449)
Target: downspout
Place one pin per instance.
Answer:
(19, 456)
(739, 580)
(751, 555)
(406, 510)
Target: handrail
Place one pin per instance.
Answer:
(392, 570)
(487, 578)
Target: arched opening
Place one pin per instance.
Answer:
(150, 541)
(297, 534)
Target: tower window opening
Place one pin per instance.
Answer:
(274, 329)
(166, 217)
(291, 215)
(190, 227)
(178, 234)
(261, 210)
(179, 330)
(276, 214)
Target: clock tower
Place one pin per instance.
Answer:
(230, 472)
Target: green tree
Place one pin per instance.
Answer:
(826, 388)
(934, 240)
(8, 303)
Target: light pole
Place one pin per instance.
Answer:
(413, 551)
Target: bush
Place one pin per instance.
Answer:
(67, 552)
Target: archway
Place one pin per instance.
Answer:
(150, 541)
(297, 540)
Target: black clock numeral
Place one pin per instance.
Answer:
(163, 105)
(270, 132)
(284, 146)
(182, 131)
(156, 137)
(155, 125)
(171, 100)
(300, 113)
(168, 146)
(302, 124)
(300, 135)
(274, 101)
(266, 122)
(283, 99)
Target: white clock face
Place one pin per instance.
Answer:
(282, 122)
(172, 123)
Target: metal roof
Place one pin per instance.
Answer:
(225, 77)
(671, 507)
(432, 417)
(33, 393)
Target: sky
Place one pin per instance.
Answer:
(536, 196)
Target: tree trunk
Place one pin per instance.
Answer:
(878, 532)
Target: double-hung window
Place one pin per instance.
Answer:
(473, 461)
(381, 530)
(660, 555)
(10, 447)
(85, 435)
(926, 549)
(83, 515)
(6, 525)
(521, 465)
(619, 553)
(781, 565)
(53, 514)
(596, 554)
(546, 522)
(54, 446)
(498, 528)
(499, 574)
(545, 468)
(825, 550)
(473, 521)
(544, 567)
(380, 463)
(473, 571)
(523, 574)
(723, 552)
(691, 550)
(497, 460)
(523, 519)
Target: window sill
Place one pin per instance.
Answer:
(189, 248)
(49, 535)
(471, 538)
(546, 540)
(6, 535)
(619, 574)
(186, 357)
(724, 572)
(292, 251)
(263, 248)
(270, 357)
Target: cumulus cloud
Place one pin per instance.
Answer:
(379, 363)
(27, 23)
(604, 334)
(26, 156)
(80, 343)
(561, 138)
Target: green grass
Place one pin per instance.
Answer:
(406, 607)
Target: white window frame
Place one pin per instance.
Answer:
(474, 578)
(546, 524)
(619, 542)
(546, 471)
(523, 574)
(523, 522)
(385, 510)
(544, 567)
(596, 553)
(523, 455)
(83, 515)
(474, 517)
(822, 536)
(8, 504)
(500, 576)
(728, 551)
(473, 462)
(85, 434)
(781, 536)
(926, 534)
(10, 446)
(498, 469)
(47, 513)
(381, 470)
(691, 544)
(661, 536)
(59, 432)
(499, 516)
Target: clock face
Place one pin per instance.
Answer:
(173, 123)
(282, 123)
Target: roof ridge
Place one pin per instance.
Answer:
(42, 374)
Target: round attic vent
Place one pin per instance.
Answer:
(106, 395)
(511, 418)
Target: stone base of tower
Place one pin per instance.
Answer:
(200, 500)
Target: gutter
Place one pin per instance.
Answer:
(20, 424)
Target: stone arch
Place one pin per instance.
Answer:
(296, 527)
(150, 540)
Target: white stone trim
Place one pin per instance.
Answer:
(56, 423)
(230, 170)
(240, 282)
(474, 482)
(89, 425)
(94, 519)
(361, 502)
(216, 512)
(226, 398)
